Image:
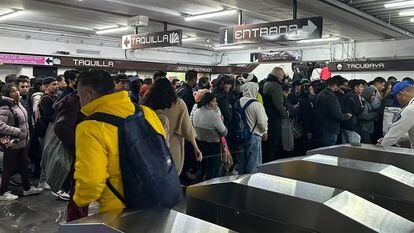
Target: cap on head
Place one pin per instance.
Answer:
(398, 88)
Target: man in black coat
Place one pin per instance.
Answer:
(328, 113)
(185, 92)
(353, 103)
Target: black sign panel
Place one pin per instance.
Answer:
(150, 40)
(386, 65)
(295, 55)
(291, 30)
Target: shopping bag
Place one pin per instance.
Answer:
(225, 154)
(288, 139)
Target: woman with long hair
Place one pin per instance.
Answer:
(173, 112)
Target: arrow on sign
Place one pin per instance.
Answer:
(127, 41)
(310, 28)
(49, 61)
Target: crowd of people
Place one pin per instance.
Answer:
(230, 125)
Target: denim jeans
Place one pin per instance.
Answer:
(329, 139)
(350, 137)
(250, 155)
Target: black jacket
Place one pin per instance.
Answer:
(273, 100)
(328, 114)
(185, 92)
(353, 104)
(306, 114)
(224, 102)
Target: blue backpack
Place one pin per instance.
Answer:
(148, 172)
(240, 128)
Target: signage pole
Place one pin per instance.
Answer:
(295, 9)
(165, 26)
(240, 17)
(136, 29)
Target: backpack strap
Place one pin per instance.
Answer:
(115, 192)
(244, 112)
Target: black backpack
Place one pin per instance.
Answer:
(148, 172)
(239, 126)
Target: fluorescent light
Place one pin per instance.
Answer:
(8, 13)
(399, 4)
(210, 15)
(326, 39)
(229, 47)
(189, 39)
(112, 30)
(412, 20)
(407, 13)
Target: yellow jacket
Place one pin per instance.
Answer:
(97, 155)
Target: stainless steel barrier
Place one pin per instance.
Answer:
(148, 221)
(400, 157)
(382, 184)
(264, 203)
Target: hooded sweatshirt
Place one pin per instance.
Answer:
(255, 112)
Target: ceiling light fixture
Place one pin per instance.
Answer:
(112, 30)
(229, 47)
(399, 4)
(8, 13)
(326, 39)
(189, 39)
(210, 15)
(412, 20)
(407, 13)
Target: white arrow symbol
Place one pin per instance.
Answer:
(310, 28)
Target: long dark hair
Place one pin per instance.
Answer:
(206, 99)
(161, 95)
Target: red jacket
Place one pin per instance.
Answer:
(325, 73)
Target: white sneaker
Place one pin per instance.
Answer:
(32, 191)
(62, 195)
(44, 186)
(7, 196)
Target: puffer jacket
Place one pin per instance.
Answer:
(8, 126)
(97, 154)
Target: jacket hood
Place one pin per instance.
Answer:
(110, 104)
(273, 78)
(8, 99)
(367, 94)
(250, 90)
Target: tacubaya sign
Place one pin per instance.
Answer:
(290, 30)
(386, 65)
(150, 40)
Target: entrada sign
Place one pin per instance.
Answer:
(291, 30)
(150, 40)
(386, 65)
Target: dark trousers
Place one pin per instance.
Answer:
(15, 160)
(73, 211)
(211, 159)
(273, 147)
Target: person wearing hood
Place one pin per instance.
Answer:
(249, 77)
(221, 90)
(250, 153)
(14, 128)
(273, 104)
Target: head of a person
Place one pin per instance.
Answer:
(158, 75)
(392, 79)
(297, 87)
(204, 83)
(224, 83)
(134, 84)
(335, 83)
(147, 81)
(279, 73)
(38, 85)
(250, 90)
(94, 84)
(23, 85)
(10, 90)
(379, 83)
(71, 78)
(51, 85)
(176, 83)
(403, 93)
(191, 77)
(308, 91)
(208, 100)
(388, 88)
(286, 89)
(61, 82)
(161, 95)
(249, 77)
(121, 82)
(357, 86)
(408, 79)
(11, 78)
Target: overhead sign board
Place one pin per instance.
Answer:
(290, 30)
(294, 55)
(386, 65)
(151, 40)
(21, 59)
(184, 68)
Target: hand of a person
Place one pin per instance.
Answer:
(5, 140)
(349, 115)
(23, 135)
(380, 141)
(198, 155)
(265, 137)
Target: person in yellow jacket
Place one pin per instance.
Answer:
(97, 155)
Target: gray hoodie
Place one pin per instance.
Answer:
(255, 113)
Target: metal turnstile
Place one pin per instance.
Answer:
(148, 221)
(264, 203)
(382, 184)
(400, 157)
